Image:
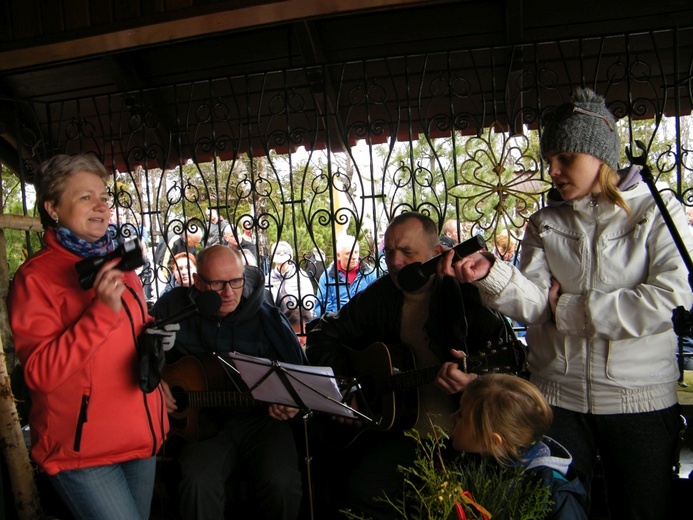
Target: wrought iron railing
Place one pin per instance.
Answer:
(307, 154)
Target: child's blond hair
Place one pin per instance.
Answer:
(509, 406)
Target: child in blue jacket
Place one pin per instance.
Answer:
(506, 417)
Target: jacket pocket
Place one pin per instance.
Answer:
(565, 252)
(83, 417)
(627, 248)
(642, 361)
(548, 351)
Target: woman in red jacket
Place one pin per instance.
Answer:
(93, 431)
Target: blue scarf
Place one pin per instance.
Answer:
(83, 248)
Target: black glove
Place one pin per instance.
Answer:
(151, 346)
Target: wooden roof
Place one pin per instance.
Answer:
(64, 50)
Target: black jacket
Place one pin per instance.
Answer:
(255, 327)
(457, 319)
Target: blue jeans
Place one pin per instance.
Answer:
(115, 492)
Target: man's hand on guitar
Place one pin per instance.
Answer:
(281, 412)
(450, 378)
(168, 397)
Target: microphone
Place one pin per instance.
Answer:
(414, 276)
(207, 303)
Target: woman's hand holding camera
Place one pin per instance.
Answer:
(109, 285)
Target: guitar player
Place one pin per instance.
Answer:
(258, 442)
(440, 323)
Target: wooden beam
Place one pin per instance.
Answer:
(20, 222)
(166, 32)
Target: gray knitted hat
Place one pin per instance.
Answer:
(588, 133)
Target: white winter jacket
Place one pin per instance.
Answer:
(612, 347)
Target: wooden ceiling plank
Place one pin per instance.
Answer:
(194, 26)
(76, 14)
(24, 18)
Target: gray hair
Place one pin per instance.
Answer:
(54, 175)
(345, 243)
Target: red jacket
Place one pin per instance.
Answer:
(80, 364)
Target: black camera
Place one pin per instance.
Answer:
(129, 252)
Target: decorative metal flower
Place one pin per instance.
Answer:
(501, 183)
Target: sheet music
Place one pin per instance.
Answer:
(316, 386)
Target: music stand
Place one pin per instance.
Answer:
(307, 388)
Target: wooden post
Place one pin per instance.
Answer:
(24, 490)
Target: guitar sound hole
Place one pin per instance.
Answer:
(181, 397)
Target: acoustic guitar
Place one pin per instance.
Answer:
(388, 381)
(198, 383)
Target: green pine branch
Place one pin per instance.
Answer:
(432, 487)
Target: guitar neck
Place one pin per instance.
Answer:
(216, 399)
(408, 379)
(509, 358)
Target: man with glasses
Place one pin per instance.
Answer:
(256, 443)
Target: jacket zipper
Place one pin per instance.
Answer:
(593, 270)
(83, 417)
(144, 396)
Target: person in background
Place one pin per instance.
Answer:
(246, 238)
(315, 266)
(185, 243)
(124, 231)
(183, 266)
(246, 247)
(344, 278)
(439, 324)
(289, 285)
(506, 246)
(450, 236)
(506, 249)
(146, 274)
(299, 318)
(257, 442)
(506, 417)
(188, 242)
(93, 431)
(215, 228)
(599, 276)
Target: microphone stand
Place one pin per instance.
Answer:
(682, 318)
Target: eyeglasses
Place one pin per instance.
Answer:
(219, 285)
(568, 110)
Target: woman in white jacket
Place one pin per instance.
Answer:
(598, 280)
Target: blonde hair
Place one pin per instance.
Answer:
(506, 245)
(510, 407)
(608, 181)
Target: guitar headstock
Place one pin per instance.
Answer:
(506, 358)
